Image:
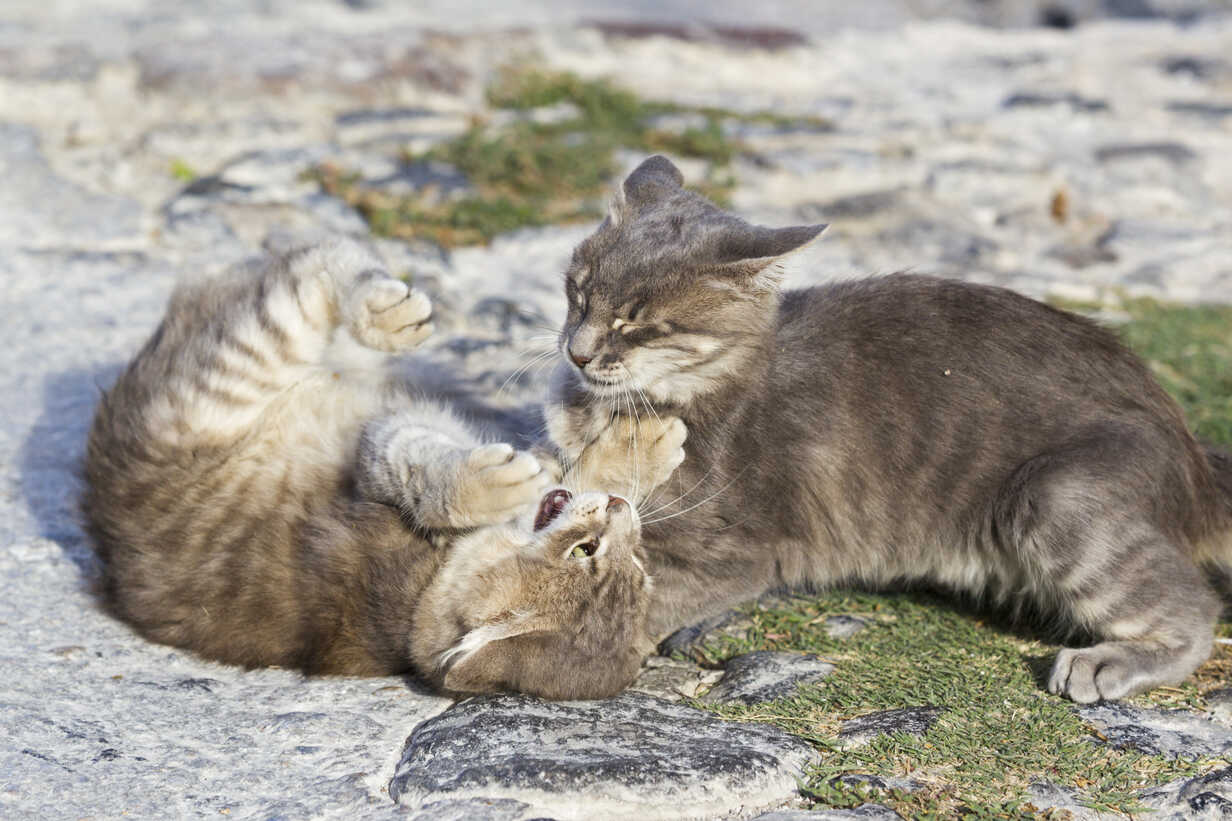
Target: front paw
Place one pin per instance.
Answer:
(665, 452)
(497, 483)
(385, 314)
(634, 455)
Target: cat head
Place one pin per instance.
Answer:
(555, 608)
(671, 292)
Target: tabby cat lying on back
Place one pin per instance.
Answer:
(259, 501)
(894, 429)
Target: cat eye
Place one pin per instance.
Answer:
(634, 313)
(574, 294)
(581, 550)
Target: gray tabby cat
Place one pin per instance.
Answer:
(264, 491)
(894, 429)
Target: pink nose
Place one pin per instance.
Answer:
(615, 503)
(580, 361)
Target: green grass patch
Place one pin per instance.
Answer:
(556, 168)
(182, 171)
(1001, 729)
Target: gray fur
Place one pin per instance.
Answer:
(889, 430)
(263, 490)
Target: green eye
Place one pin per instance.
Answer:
(583, 549)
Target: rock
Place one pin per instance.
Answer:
(629, 757)
(767, 676)
(1047, 796)
(1075, 102)
(1219, 703)
(867, 812)
(1173, 152)
(1214, 111)
(875, 782)
(1169, 733)
(1204, 797)
(844, 627)
(909, 720)
(672, 679)
(499, 809)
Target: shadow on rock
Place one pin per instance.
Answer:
(50, 461)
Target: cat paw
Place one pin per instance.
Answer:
(386, 314)
(497, 483)
(634, 455)
(1104, 672)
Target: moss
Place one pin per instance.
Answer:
(532, 171)
(182, 171)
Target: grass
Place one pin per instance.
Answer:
(1001, 729)
(533, 170)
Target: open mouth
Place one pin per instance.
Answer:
(551, 506)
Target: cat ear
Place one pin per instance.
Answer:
(481, 658)
(751, 253)
(651, 180)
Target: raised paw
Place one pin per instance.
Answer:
(497, 483)
(385, 314)
(633, 455)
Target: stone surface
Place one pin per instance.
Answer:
(629, 757)
(844, 627)
(1204, 798)
(869, 812)
(142, 141)
(1047, 796)
(1169, 733)
(909, 720)
(674, 680)
(767, 676)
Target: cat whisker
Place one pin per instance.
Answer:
(698, 504)
(537, 360)
(682, 496)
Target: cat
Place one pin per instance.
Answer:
(901, 429)
(262, 490)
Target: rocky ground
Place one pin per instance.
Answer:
(142, 141)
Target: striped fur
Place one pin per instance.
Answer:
(263, 490)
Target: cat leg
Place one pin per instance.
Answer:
(229, 347)
(428, 464)
(1081, 525)
(630, 456)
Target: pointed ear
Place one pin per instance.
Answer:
(751, 242)
(752, 254)
(480, 662)
(651, 180)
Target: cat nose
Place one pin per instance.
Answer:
(615, 503)
(580, 361)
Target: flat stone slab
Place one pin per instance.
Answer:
(633, 756)
(767, 676)
(1169, 733)
(867, 812)
(844, 627)
(1205, 797)
(672, 679)
(910, 720)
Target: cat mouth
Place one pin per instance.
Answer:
(552, 505)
